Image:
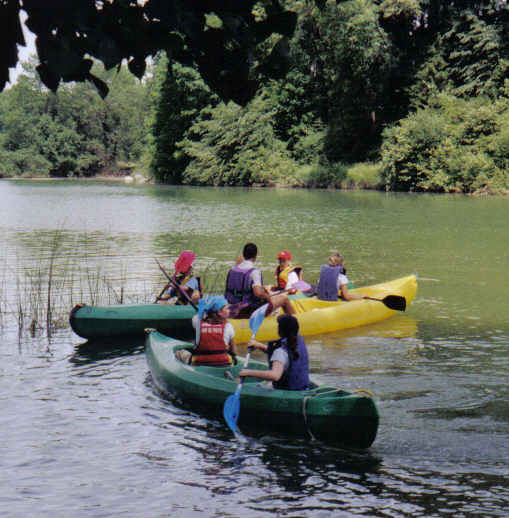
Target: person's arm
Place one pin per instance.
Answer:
(274, 374)
(257, 345)
(349, 296)
(260, 293)
(193, 289)
(169, 293)
(230, 339)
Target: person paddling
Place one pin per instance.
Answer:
(333, 280)
(288, 358)
(244, 286)
(184, 277)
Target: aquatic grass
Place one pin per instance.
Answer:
(45, 296)
(45, 292)
(213, 278)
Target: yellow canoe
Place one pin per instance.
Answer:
(319, 316)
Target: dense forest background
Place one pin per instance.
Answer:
(401, 95)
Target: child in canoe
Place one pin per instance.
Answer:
(287, 275)
(288, 357)
(333, 281)
(215, 336)
(190, 285)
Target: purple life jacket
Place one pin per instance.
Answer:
(328, 283)
(239, 288)
(296, 376)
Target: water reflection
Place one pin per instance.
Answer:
(98, 350)
(398, 326)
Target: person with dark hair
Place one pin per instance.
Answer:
(288, 358)
(244, 286)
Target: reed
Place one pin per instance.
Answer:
(45, 292)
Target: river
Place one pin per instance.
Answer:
(85, 432)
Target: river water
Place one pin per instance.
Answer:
(85, 433)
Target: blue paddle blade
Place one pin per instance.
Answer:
(231, 410)
(256, 319)
(231, 407)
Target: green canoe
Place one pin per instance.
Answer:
(325, 413)
(132, 319)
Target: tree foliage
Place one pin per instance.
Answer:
(219, 36)
(407, 85)
(467, 60)
(73, 132)
(454, 145)
(182, 96)
(231, 145)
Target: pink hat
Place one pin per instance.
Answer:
(184, 262)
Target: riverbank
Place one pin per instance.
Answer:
(359, 177)
(362, 176)
(99, 178)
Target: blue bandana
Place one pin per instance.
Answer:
(210, 303)
(206, 304)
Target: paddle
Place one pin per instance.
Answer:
(177, 286)
(395, 302)
(162, 291)
(299, 285)
(231, 408)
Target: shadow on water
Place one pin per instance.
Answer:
(398, 326)
(294, 463)
(292, 459)
(98, 350)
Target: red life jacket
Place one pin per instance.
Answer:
(211, 349)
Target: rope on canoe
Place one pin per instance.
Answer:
(304, 413)
(332, 391)
(308, 429)
(364, 391)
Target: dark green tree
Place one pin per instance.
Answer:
(357, 66)
(231, 145)
(467, 60)
(183, 95)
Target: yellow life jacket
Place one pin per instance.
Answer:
(282, 276)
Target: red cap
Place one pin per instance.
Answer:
(184, 262)
(285, 254)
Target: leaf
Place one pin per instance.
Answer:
(10, 35)
(101, 86)
(137, 67)
(48, 76)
